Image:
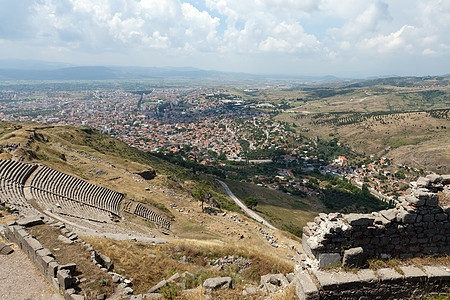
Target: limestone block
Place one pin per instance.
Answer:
(52, 269)
(290, 277)
(251, 290)
(273, 282)
(367, 276)
(328, 259)
(413, 274)
(11, 223)
(70, 267)
(311, 245)
(445, 179)
(107, 262)
(161, 284)
(64, 279)
(306, 288)
(218, 283)
(389, 275)
(415, 201)
(359, 219)
(353, 257)
(389, 214)
(436, 273)
(64, 239)
(406, 217)
(31, 246)
(423, 182)
(44, 252)
(434, 178)
(9, 232)
(55, 283)
(30, 221)
(156, 295)
(173, 277)
(346, 279)
(326, 279)
(43, 262)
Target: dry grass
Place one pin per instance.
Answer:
(148, 264)
(395, 263)
(6, 216)
(287, 293)
(93, 281)
(413, 138)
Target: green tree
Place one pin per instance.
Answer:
(251, 202)
(200, 192)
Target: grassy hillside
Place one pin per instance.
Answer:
(287, 212)
(107, 162)
(376, 119)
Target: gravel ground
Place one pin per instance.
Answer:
(20, 279)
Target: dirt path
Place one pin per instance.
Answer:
(245, 208)
(20, 279)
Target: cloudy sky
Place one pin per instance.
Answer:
(355, 38)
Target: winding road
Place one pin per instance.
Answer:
(247, 210)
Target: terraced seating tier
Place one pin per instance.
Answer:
(74, 190)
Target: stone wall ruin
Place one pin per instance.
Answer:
(418, 225)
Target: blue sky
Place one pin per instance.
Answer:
(351, 38)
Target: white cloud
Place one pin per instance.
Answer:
(201, 28)
(400, 40)
(242, 33)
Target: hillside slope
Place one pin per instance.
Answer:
(107, 162)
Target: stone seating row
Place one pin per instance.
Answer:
(12, 176)
(148, 214)
(15, 171)
(58, 204)
(11, 193)
(75, 189)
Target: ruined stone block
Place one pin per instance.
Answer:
(404, 216)
(305, 287)
(353, 257)
(413, 274)
(436, 273)
(389, 275)
(328, 259)
(415, 201)
(64, 279)
(367, 276)
(434, 178)
(30, 221)
(346, 280)
(71, 267)
(423, 182)
(326, 279)
(359, 219)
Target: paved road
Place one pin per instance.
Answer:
(247, 210)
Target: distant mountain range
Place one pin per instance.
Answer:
(11, 70)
